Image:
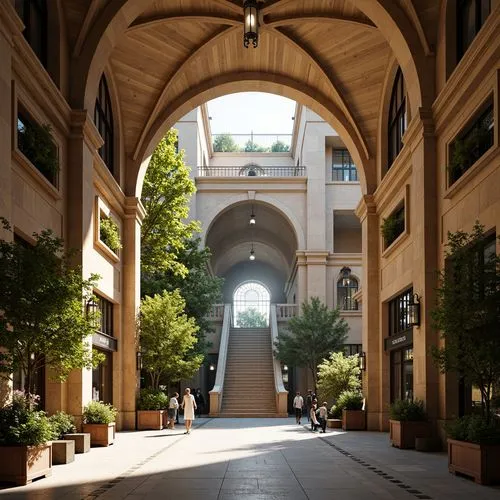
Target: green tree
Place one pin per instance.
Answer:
(337, 374)
(165, 195)
(312, 337)
(167, 339)
(280, 147)
(251, 318)
(198, 287)
(224, 143)
(252, 147)
(41, 316)
(468, 313)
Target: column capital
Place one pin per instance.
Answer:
(366, 206)
(82, 127)
(316, 258)
(134, 208)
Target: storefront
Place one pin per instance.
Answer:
(399, 346)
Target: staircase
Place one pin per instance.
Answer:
(249, 389)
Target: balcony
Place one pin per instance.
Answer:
(252, 171)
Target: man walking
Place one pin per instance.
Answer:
(298, 404)
(309, 403)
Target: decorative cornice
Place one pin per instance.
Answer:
(366, 206)
(134, 208)
(10, 24)
(83, 127)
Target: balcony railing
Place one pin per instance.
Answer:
(286, 311)
(251, 171)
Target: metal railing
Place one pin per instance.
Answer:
(251, 171)
(286, 311)
(252, 143)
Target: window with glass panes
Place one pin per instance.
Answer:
(397, 118)
(471, 15)
(106, 311)
(346, 288)
(103, 119)
(34, 16)
(351, 349)
(343, 168)
(398, 313)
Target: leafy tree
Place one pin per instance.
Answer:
(468, 313)
(337, 374)
(312, 337)
(252, 147)
(224, 143)
(251, 318)
(165, 195)
(167, 339)
(41, 317)
(198, 287)
(280, 147)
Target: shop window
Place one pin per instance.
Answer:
(346, 288)
(393, 226)
(103, 119)
(471, 143)
(106, 312)
(33, 13)
(397, 118)
(343, 168)
(471, 15)
(398, 313)
(352, 349)
(36, 143)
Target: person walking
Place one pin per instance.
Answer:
(200, 402)
(298, 404)
(189, 406)
(173, 406)
(322, 413)
(309, 403)
(314, 420)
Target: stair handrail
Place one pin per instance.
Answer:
(216, 393)
(281, 392)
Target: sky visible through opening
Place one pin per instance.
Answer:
(267, 116)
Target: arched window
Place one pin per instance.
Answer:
(103, 119)
(34, 16)
(397, 118)
(251, 303)
(346, 288)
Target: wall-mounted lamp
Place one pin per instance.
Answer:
(285, 368)
(362, 361)
(251, 28)
(345, 273)
(211, 367)
(414, 311)
(138, 360)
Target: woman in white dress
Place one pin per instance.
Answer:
(189, 405)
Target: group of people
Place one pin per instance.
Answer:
(191, 404)
(317, 415)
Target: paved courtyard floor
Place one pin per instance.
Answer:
(254, 459)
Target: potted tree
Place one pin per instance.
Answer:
(63, 450)
(99, 421)
(408, 421)
(25, 441)
(467, 314)
(353, 413)
(151, 407)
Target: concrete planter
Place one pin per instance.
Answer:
(334, 423)
(403, 433)
(353, 420)
(481, 462)
(22, 464)
(100, 434)
(150, 419)
(82, 441)
(63, 452)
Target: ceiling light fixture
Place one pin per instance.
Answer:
(251, 27)
(252, 254)
(252, 220)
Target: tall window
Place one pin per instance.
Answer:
(471, 15)
(103, 119)
(397, 118)
(34, 16)
(343, 168)
(251, 303)
(398, 313)
(346, 288)
(106, 320)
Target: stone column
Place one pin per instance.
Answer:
(376, 376)
(301, 278)
(316, 275)
(131, 254)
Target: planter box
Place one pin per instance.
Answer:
(481, 462)
(334, 423)
(353, 420)
(82, 441)
(150, 419)
(403, 433)
(63, 452)
(100, 434)
(22, 464)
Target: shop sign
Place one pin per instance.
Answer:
(399, 341)
(104, 342)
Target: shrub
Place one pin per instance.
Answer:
(393, 226)
(109, 234)
(98, 412)
(336, 412)
(350, 400)
(337, 374)
(61, 423)
(150, 399)
(474, 429)
(22, 424)
(406, 410)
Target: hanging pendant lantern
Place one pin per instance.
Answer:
(251, 26)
